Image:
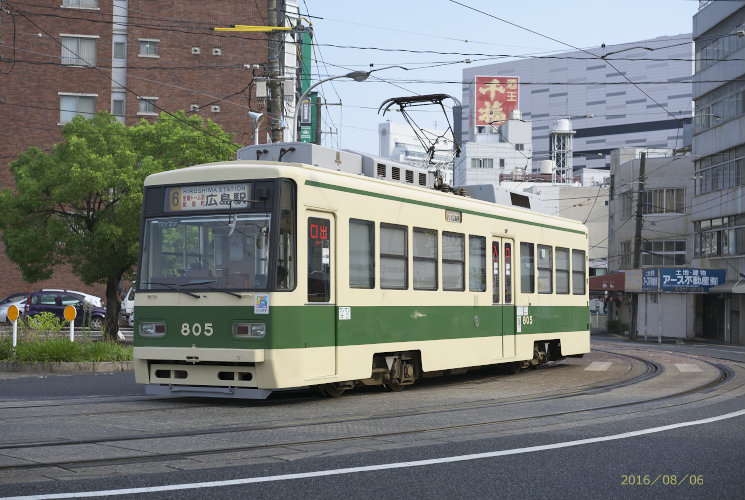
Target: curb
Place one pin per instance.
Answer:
(67, 367)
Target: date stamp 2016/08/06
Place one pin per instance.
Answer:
(663, 479)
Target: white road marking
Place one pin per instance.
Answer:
(598, 366)
(688, 368)
(372, 468)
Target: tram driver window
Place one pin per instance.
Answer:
(527, 267)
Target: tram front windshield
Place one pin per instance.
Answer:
(220, 251)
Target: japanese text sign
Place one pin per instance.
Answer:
(494, 98)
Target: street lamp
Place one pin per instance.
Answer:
(357, 76)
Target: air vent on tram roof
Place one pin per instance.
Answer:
(396, 173)
(410, 176)
(381, 170)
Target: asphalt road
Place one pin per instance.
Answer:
(478, 439)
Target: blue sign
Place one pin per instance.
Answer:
(690, 280)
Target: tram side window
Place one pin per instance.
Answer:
(527, 267)
(545, 269)
(578, 272)
(361, 254)
(394, 257)
(476, 263)
(319, 260)
(453, 261)
(562, 270)
(425, 259)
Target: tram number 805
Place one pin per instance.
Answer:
(196, 329)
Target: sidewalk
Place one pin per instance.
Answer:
(654, 339)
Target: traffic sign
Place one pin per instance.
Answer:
(70, 313)
(13, 312)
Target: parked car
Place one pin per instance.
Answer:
(127, 314)
(17, 299)
(56, 301)
(93, 299)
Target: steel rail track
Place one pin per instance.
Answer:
(653, 369)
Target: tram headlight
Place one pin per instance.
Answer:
(249, 330)
(153, 329)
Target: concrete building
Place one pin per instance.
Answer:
(133, 58)
(494, 151)
(718, 213)
(398, 142)
(665, 235)
(607, 111)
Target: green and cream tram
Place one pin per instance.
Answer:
(256, 275)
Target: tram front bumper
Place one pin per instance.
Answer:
(177, 366)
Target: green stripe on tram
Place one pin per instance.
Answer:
(371, 194)
(317, 325)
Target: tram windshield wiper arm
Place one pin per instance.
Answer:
(172, 286)
(207, 282)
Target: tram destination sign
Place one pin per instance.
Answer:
(207, 197)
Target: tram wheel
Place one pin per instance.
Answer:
(394, 387)
(331, 390)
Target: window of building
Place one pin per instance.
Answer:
(80, 4)
(361, 254)
(626, 201)
(625, 255)
(482, 163)
(663, 253)
(663, 201)
(720, 171)
(425, 259)
(394, 257)
(120, 51)
(453, 261)
(719, 48)
(78, 50)
(520, 147)
(545, 269)
(76, 104)
(117, 107)
(578, 272)
(562, 270)
(149, 48)
(501, 163)
(477, 263)
(147, 106)
(720, 236)
(527, 267)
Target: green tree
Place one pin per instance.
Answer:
(80, 203)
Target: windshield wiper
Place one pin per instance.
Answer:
(172, 286)
(207, 282)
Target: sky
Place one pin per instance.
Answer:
(433, 38)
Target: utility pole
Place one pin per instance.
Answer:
(276, 16)
(636, 260)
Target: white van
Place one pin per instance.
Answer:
(127, 314)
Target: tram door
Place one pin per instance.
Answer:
(320, 329)
(502, 291)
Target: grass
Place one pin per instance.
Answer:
(61, 349)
